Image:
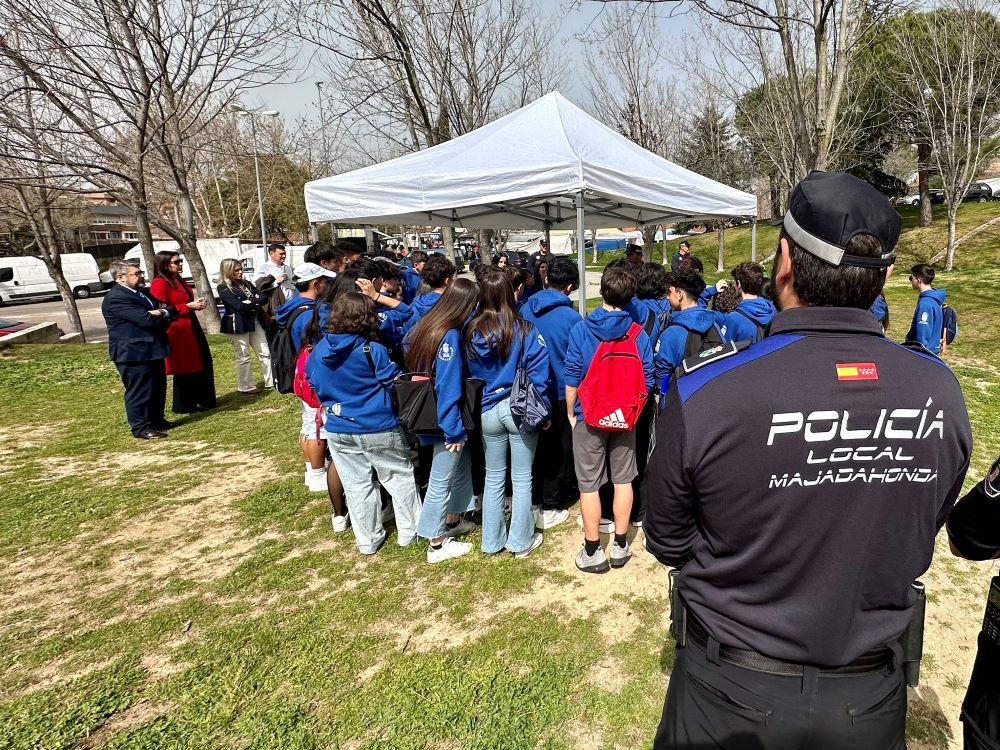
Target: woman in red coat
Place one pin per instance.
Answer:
(190, 361)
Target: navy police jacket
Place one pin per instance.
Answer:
(133, 334)
(801, 482)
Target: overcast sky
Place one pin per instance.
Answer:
(573, 20)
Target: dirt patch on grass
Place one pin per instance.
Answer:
(24, 437)
(142, 712)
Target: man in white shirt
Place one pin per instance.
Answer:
(275, 266)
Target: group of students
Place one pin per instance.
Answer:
(360, 323)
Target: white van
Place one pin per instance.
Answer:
(212, 254)
(27, 277)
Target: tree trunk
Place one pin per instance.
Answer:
(950, 257)
(189, 246)
(448, 242)
(69, 301)
(923, 182)
(774, 193)
(145, 236)
(721, 237)
(648, 240)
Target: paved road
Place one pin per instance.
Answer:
(53, 311)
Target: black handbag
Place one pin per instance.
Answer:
(416, 403)
(528, 408)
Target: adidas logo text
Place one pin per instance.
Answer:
(614, 419)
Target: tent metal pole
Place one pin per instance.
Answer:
(753, 241)
(581, 252)
(313, 232)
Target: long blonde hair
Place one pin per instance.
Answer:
(226, 270)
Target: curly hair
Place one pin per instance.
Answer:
(354, 313)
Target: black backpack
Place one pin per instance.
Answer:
(759, 333)
(656, 321)
(698, 342)
(949, 323)
(283, 351)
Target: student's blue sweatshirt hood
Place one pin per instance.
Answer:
(284, 312)
(695, 318)
(938, 295)
(356, 398)
(673, 341)
(760, 309)
(608, 325)
(420, 306)
(485, 362)
(554, 315)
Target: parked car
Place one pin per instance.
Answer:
(979, 191)
(937, 196)
(8, 327)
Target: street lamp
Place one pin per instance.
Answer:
(253, 114)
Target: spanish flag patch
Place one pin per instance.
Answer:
(857, 371)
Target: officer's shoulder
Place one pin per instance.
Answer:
(920, 352)
(702, 369)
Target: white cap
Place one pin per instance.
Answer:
(310, 271)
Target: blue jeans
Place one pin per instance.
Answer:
(449, 490)
(499, 431)
(389, 454)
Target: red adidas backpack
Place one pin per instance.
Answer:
(613, 392)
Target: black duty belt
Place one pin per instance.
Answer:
(870, 661)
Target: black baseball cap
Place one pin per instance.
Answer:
(827, 210)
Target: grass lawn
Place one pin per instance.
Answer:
(189, 593)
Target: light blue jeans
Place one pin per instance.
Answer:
(499, 432)
(389, 454)
(449, 490)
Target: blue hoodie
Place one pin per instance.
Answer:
(708, 295)
(411, 283)
(601, 325)
(639, 309)
(673, 341)
(928, 320)
(737, 328)
(284, 312)
(554, 315)
(528, 347)
(449, 387)
(879, 308)
(356, 397)
(391, 321)
(420, 307)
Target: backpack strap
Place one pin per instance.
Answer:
(721, 351)
(650, 323)
(633, 332)
(367, 348)
(758, 326)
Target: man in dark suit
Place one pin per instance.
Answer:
(137, 343)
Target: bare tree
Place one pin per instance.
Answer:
(801, 53)
(627, 91)
(137, 83)
(952, 78)
(409, 74)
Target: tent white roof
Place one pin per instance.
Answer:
(523, 171)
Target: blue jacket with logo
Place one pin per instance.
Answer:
(736, 327)
(928, 320)
(673, 341)
(356, 396)
(284, 312)
(391, 322)
(484, 362)
(449, 387)
(411, 283)
(601, 325)
(554, 315)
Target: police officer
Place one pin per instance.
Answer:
(974, 533)
(798, 483)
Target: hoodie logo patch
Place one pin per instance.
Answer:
(857, 371)
(446, 352)
(541, 341)
(334, 409)
(382, 317)
(923, 316)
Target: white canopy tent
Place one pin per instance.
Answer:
(542, 166)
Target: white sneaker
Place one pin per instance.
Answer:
(548, 518)
(536, 542)
(606, 526)
(341, 523)
(463, 527)
(448, 549)
(316, 480)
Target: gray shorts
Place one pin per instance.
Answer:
(595, 450)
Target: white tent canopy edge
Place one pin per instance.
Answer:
(548, 164)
